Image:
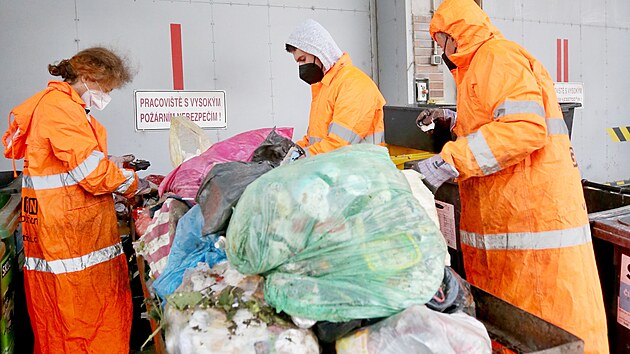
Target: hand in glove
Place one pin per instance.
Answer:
(436, 171)
(294, 153)
(426, 119)
(120, 161)
(137, 165)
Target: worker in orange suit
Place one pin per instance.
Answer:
(524, 227)
(75, 272)
(346, 106)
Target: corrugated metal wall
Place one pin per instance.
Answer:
(236, 46)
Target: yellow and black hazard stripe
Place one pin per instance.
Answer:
(622, 183)
(619, 134)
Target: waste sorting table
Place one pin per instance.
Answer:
(611, 240)
(521, 331)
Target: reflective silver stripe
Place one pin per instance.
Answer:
(65, 179)
(76, 264)
(556, 126)
(517, 107)
(376, 138)
(484, 156)
(127, 183)
(528, 240)
(313, 139)
(27, 182)
(344, 133)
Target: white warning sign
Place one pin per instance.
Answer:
(154, 109)
(569, 92)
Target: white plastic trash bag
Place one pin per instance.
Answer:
(239, 322)
(421, 331)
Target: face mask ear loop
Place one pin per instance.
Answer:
(314, 62)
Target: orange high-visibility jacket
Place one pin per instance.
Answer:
(347, 108)
(524, 226)
(75, 274)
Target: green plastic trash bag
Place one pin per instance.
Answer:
(338, 236)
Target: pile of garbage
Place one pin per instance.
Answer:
(246, 254)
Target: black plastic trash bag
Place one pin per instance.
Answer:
(273, 149)
(453, 295)
(329, 332)
(222, 188)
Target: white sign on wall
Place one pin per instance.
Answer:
(154, 109)
(569, 92)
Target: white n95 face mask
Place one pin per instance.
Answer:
(96, 99)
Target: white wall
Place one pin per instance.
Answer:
(599, 47)
(236, 46)
(598, 33)
(395, 51)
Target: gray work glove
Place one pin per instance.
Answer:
(426, 119)
(436, 171)
(120, 161)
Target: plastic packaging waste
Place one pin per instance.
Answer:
(189, 248)
(329, 332)
(453, 295)
(219, 310)
(187, 177)
(419, 330)
(339, 236)
(273, 149)
(186, 139)
(156, 241)
(221, 189)
(422, 193)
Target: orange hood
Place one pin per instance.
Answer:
(466, 22)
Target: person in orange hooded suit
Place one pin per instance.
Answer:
(75, 272)
(346, 106)
(525, 231)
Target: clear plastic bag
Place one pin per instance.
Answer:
(419, 330)
(339, 236)
(219, 310)
(186, 139)
(189, 247)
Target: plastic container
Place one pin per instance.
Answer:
(401, 129)
(399, 160)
